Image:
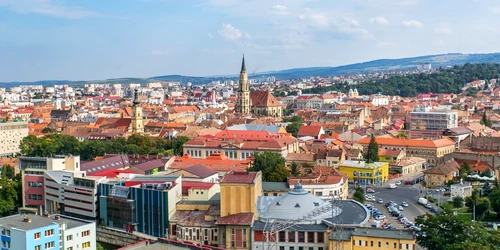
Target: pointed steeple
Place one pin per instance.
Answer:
(136, 97)
(243, 68)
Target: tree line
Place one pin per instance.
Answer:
(57, 144)
(450, 80)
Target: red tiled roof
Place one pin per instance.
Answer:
(186, 185)
(236, 219)
(240, 177)
(263, 99)
(426, 143)
(309, 131)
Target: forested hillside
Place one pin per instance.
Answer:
(449, 80)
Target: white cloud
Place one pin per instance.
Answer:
(280, 7)
(210, 35)
(229, 32)
(495, 9)
(378, 20)
(47, 8)
(443, 28)
(412, 24)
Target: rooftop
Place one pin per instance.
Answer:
(36, 221)
(376, 233)
(362, 164)
(275, 186)
(240, 177)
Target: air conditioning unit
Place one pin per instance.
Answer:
(206, 238)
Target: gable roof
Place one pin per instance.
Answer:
(200, 171)
(263, 99)
(446, 168)
(309, 131)
(426, 143)
(240, 177)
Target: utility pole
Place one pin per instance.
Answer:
(474, 213)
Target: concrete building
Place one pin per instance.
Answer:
(442, 173)
(32, 174)
(144, 204)
(372, 239)
(47, 232)
(362, 173)
(460, 190)
(426, 123)
(11, 134)
(306, 233)
(71, 193)
(324, 182)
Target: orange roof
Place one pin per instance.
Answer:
(426, 143)
(217, 162)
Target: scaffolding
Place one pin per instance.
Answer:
(274, 226)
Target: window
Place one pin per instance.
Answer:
(310, 237)
(290, 248)
(359, 243)
(291, 236)
(395, 245)
(69, 237)
(244, 232)
(85, 233)
(69, 248)
(49, 232)
(311, 248)
(275, 194)
(301, 248)
(5, 232)
(282, 248)
(387, 244)
(39, 247)
(86, 245)
(37, 236)
(371, 243)
(302, 237)
(244, 244)
(379, 244)
(49, 245)
(281, 236)
(232, 243)
(320, 248)
(321, 238)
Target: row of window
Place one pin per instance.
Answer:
(35, 197)
(300, 248)
(301, 237)
(5, 232)
(387, 244)
(48, 245)
(34, 184)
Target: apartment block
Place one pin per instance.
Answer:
(32, 174)
(47, 232)
(11, 134)
(426, 123)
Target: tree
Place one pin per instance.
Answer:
(458, 202)
(495, 201)
(99, 247)
(464, 170)
(295, 169)
(372, 152)
(487, 189)
(402, 134)
(178, 144)
(7, 171)
(293, 128)
(445, 231)
(483, 205)
(48, 130)
(485, 121)
(359, 195)
(475, 110)
(272, 166)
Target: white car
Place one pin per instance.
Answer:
(380, 217)
(398, 183)
(404, 204)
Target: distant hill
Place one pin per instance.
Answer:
(443, 60)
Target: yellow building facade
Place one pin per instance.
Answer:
(362, 173)
(374, 239)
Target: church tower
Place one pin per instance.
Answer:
(243, 101)
(137, 122)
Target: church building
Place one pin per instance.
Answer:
(137, 123)
(256, 102)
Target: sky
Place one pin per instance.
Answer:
(102, 39)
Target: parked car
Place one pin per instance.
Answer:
(428, 205)
(380, 201)
(398, 183)
(400, 208)
(434, 210)
(407, 182)
(404, 204)
(380, 217)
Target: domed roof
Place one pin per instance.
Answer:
(295, 204)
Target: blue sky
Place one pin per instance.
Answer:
(100, 39)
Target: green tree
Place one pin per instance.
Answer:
(27, 145)
(7, 171)
(272, 166)
(359, 195)
(178, 143)
(445, 231)
(372, 152)
(487, 189)
(295, 169)
(458, 202)
(495, 201)
(99, 247)
(475, 110)
(293, 128)
(402, 134)
(294, 118)
(485, 121)
(464, 170)
(483, 205)
(48, 130)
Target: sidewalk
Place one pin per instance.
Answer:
(406, 177)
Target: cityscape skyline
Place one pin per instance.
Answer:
(61, 40)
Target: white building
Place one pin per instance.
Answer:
(380, 101)
(11, 134)
(428, 123)
(460, 190)
(71, 192)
